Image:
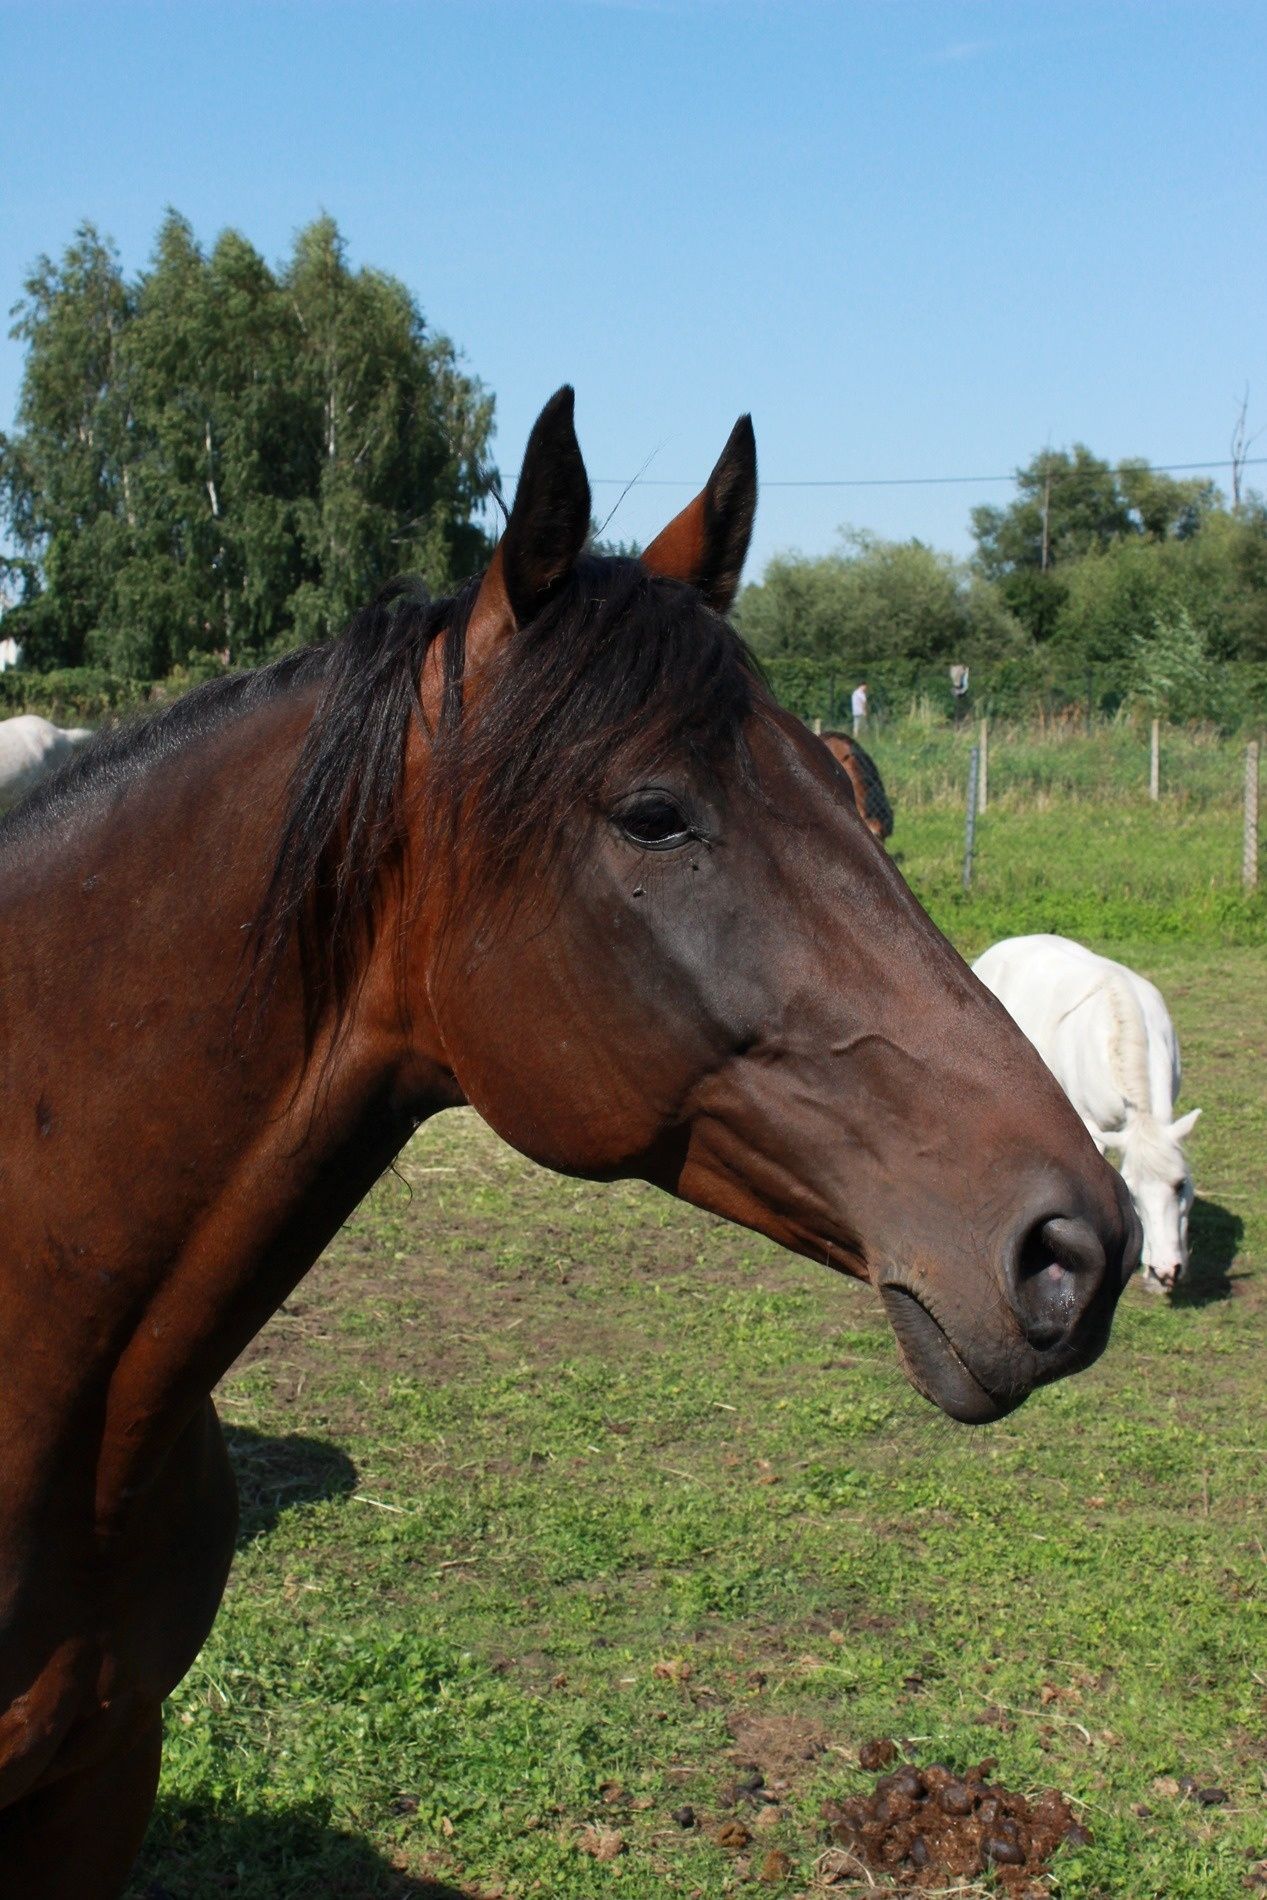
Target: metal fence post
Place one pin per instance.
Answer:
(1249, 848)
(983, 791)
(1154, 762)
(970, 831)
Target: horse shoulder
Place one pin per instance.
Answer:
(1025, 974)
(1055, 991)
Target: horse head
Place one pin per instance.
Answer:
(1157, 1174)
(669, 949)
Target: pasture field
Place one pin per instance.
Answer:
(1035, 762)
(566, 1505)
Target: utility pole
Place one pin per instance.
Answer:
(1242, 443)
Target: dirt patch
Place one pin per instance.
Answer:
(433, 1295)
(435, 1278)
(923, 1827)
(781, 1746)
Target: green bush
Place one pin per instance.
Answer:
(92, 695)
(1036, 686)
(70, 695)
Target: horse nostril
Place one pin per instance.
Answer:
(1050, 1298)
(1058, 1261)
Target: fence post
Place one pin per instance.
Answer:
(818, 728)
(970, 830)
(1154, 762)
(1249, 849)
(983, 790)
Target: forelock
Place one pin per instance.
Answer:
(1149, 1147)
(621, 668)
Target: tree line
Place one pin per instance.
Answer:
(218, 459)
(1151, 588)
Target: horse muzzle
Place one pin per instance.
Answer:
(936, 1367)
(1061, 1280)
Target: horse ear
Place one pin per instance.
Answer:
(707, 542)
(544, 535)
(1185, 1124)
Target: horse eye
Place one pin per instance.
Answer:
(654, 821)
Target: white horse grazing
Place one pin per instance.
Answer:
(1107, 1037)
(31, 746)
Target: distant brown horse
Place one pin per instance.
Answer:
(547, 847)
(864, 776)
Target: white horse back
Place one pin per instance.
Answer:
(31, 746)
(1103, 1030)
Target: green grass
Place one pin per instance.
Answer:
(1070, 841)
(1105, 873)
(563, 1501)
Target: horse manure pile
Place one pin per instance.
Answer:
(925, 1826)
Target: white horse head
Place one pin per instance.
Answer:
(1155, 1169)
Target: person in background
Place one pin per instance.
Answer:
(858, 703)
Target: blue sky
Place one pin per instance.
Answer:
(912, 239)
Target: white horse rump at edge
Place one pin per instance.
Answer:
(1106, 1035)
(31, 746)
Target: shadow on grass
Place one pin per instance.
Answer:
(198, 1852)
(275, 1473)
(1215, 1236)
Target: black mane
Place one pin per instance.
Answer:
(619, 664)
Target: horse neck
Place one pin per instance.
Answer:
(179, 1168)
(1129, 1046)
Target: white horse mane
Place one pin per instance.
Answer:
(1128, 1050)
(1147, 1140)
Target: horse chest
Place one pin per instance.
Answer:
(126, 1630)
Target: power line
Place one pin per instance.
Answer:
(907, 481)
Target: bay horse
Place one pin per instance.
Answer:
(863, 774)
(548, 847)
